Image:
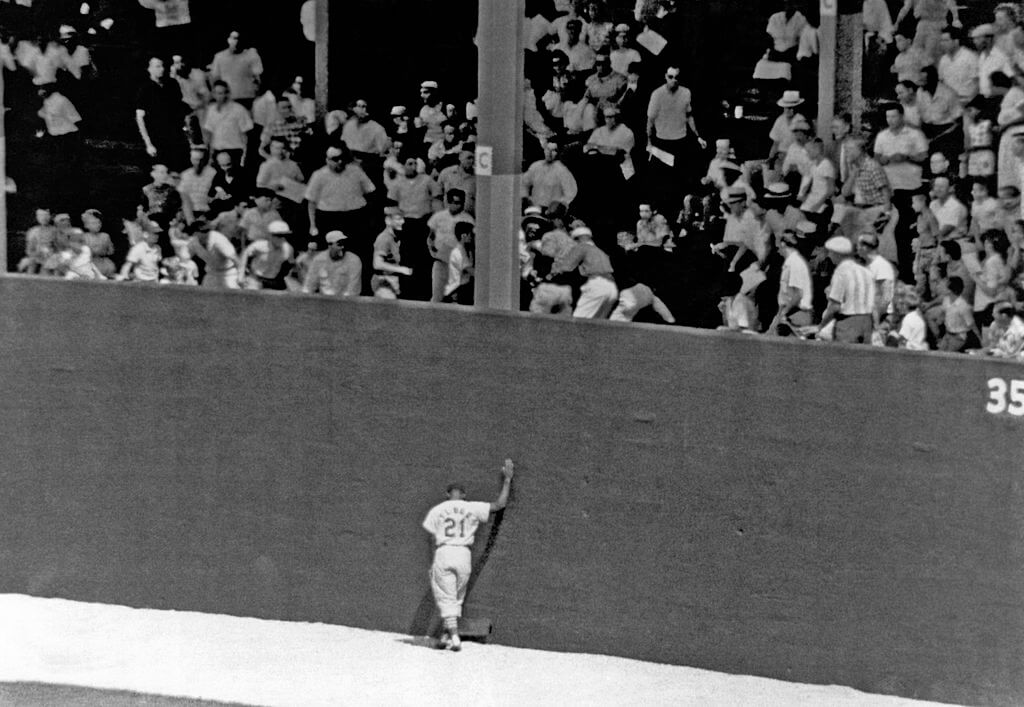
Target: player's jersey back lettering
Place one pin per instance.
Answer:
(455, 522)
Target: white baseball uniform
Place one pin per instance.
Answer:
(453, 524)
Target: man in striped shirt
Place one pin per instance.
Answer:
(851, 295)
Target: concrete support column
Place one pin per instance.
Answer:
(323, 55)
(3, 177)
(840, 63)
(499, 152)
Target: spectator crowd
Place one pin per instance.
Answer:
(904, 230)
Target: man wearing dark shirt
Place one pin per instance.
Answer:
(160, 116)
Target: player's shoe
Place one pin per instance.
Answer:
(444, 642)
(455, 643)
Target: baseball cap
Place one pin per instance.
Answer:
(264, 191)
(622, 27)
(333, 152)
(839, 244)
(582, 232)
(985, 30)
(398, 110)
(335, 236)
(278, 228)
(429, 84)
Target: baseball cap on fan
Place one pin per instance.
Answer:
(278, 228)
(335, 237)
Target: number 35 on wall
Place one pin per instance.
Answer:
(1005, 397)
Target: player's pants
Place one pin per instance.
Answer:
(449, 576)
(598, 297)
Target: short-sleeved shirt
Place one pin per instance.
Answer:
(228, 126)
(670, 111)
(870, 183)
(986, 215)
(273, 171)
(415, 195)
(169, 13)
(796, 273)
(991, 62)
(266, 261)
(196, 185)
(239, 71)
(820, 189)
(60, 115)
(885, 281)
(454, 522)
(941, 107)
(853, 287)
(388, 248)
(950, 213)
(914, 331)
(339, 191)
(455, 177)
(782, 131)
(218, 253)
(334, 278)
(959, 316)
(145, 260)
(546, 183)
(367, 137)
(960, 72)
(442, 225)
(785, 32)
(905, 176)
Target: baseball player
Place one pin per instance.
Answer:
(453, 525)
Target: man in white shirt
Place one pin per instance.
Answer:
(913, 332)
(949, 211)
(958, 65)
(796, 158)
(670, 123)
(548, 180)
(902, 151)
(819, 185)
(227, 124)
(883, 273)
(741, 227)
(796, 291)
(991, 59)
(613, 139)
(985, 209)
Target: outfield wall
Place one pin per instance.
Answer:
(802, 511)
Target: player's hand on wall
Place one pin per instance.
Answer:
(507, 469)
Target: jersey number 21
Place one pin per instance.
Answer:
(450, 524)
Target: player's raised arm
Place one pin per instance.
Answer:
(506, 485)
